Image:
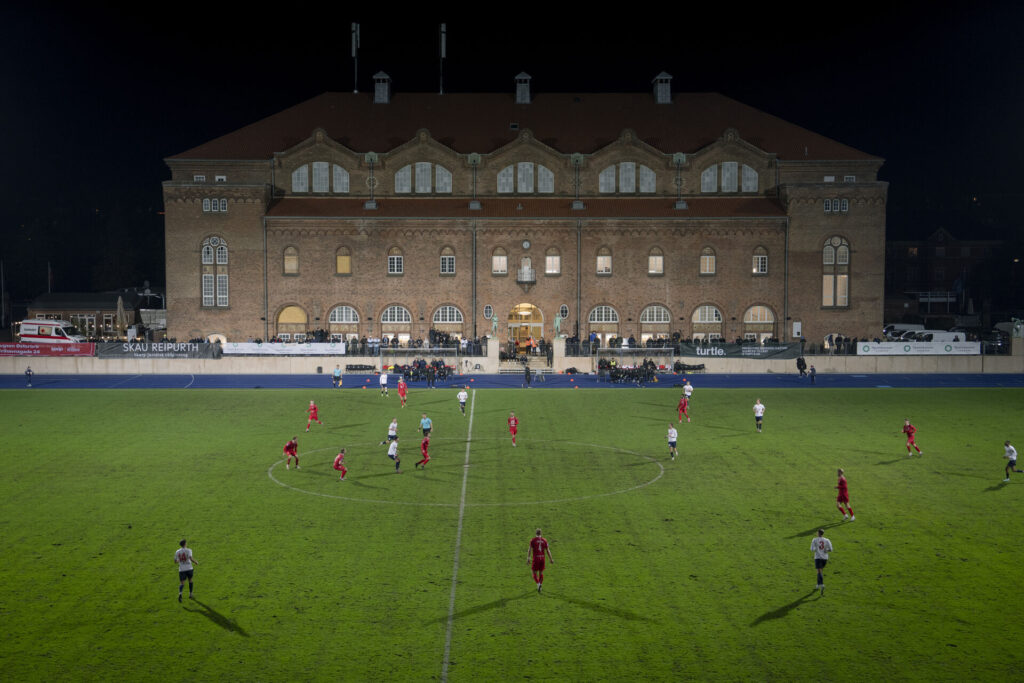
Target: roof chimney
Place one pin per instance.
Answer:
(663, 88)
(523, 88)
(381, 88)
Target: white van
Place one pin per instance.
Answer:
(49, 332)
(940, 336)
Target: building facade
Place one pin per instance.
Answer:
(511, 215)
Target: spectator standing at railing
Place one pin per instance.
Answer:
(28, 377)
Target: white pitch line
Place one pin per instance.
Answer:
(458, 547)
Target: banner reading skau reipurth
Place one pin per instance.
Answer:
(157, 350)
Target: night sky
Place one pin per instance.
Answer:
(95, 97)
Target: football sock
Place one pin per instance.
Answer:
(190, 589)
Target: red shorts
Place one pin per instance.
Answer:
(339, 466)
(513, 430)
(843, 498)
(426, 458)
(402, 394)
(910, 440)
(538, 564)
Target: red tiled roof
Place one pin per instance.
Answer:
(526, 207)
(481, 123)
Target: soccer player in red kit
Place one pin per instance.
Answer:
(291, 450)
(424, 445)
(684, 403)
(513, 426)
(403, 388)
(910, 430)
(843, 497)
(339, 464)
(312, 410)
(535, 556)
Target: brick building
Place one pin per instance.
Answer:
(619, 214)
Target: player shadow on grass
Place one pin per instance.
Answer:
(998, 487)
(785, 609)
(494, 604)
(812, 532)
(595, 607)
(218, 618)
(891, 462)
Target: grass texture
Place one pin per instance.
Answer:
(695, 569)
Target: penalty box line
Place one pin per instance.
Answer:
(458, 546)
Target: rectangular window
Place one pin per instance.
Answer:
(842, 290)
(844, 205)
(553, 264)
(499, 264)
(208, 290)
(198, 179)
(320, 176)
(395, 265)
(828, 290)
(222, 290)
(729, 176)
(655, 264)
(524, 179)
(403, 180)
(606, 180)
(284, 336)
(707, 264)
(828, 205)
(647, 181)
(760, 264)
(221, 178)
(423, 179)
(604, 264)
(447, 265)
(223, 206)
(214, 205)
(849, 178)
(506, 180)
(343, 264)
(206, 205)
(627, 176)
(830, 179)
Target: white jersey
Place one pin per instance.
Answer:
(758, 410)
(821, 547)
(393, 429)
(688, 391)
(463, 396)
(393, 449)
(1011, 452)
(183, 556)
(383, 379)
(672, 434)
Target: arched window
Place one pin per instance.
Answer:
(424, 177)
(341, 180)
(320, 176)
(758, 314)
(396, 263)
(300, 179)
(604, 261)
(552, 261)
(291, 322)
(343, 261)
(627, 177)
(760, 261)
(447, 261)
(213, 283)
(749, 179)
(343, 314)
(835, 273)
(707, 314)
(656, 261)
(447, 314)
(526, 177)
(499, 261)
(707, 261)
(603, 314)
(291, 261)
(395, 314)
(655, 314)
(709, 179)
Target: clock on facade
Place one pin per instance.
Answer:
(526, 244)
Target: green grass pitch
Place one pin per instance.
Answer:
(694, 569)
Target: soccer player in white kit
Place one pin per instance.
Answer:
(821, 547)
(672, 436)
(393, 454)
(758, 413)
(383, 382)
(463, 395)
(183, 558)
(1011, 455)
(392, 431)
(688, 390)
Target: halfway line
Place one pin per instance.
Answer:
(458, 546)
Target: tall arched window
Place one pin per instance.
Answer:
(835, 273)
(707, 261)
(396, 262)
(291, 261)
(604, 261)
(214, 272)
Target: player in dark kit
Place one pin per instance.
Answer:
(910, 430)
(843, 496)
(535, 556)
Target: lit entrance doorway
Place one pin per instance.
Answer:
(525, 321)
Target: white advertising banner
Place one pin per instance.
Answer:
(919, 349)
(300, 349)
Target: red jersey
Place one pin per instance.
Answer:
(312, 410)
(402, 386)
(291, 448)
(683, 403)
(339, 460)
(538, 545)
(842, 486)
(424, 445)
(513, 422)
(909, 430)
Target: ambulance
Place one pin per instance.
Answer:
(49, 332)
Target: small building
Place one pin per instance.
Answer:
(95, 314)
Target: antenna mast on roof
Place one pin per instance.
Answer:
(444, 54)
(355, 57)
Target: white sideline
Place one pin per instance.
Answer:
(458, 546)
